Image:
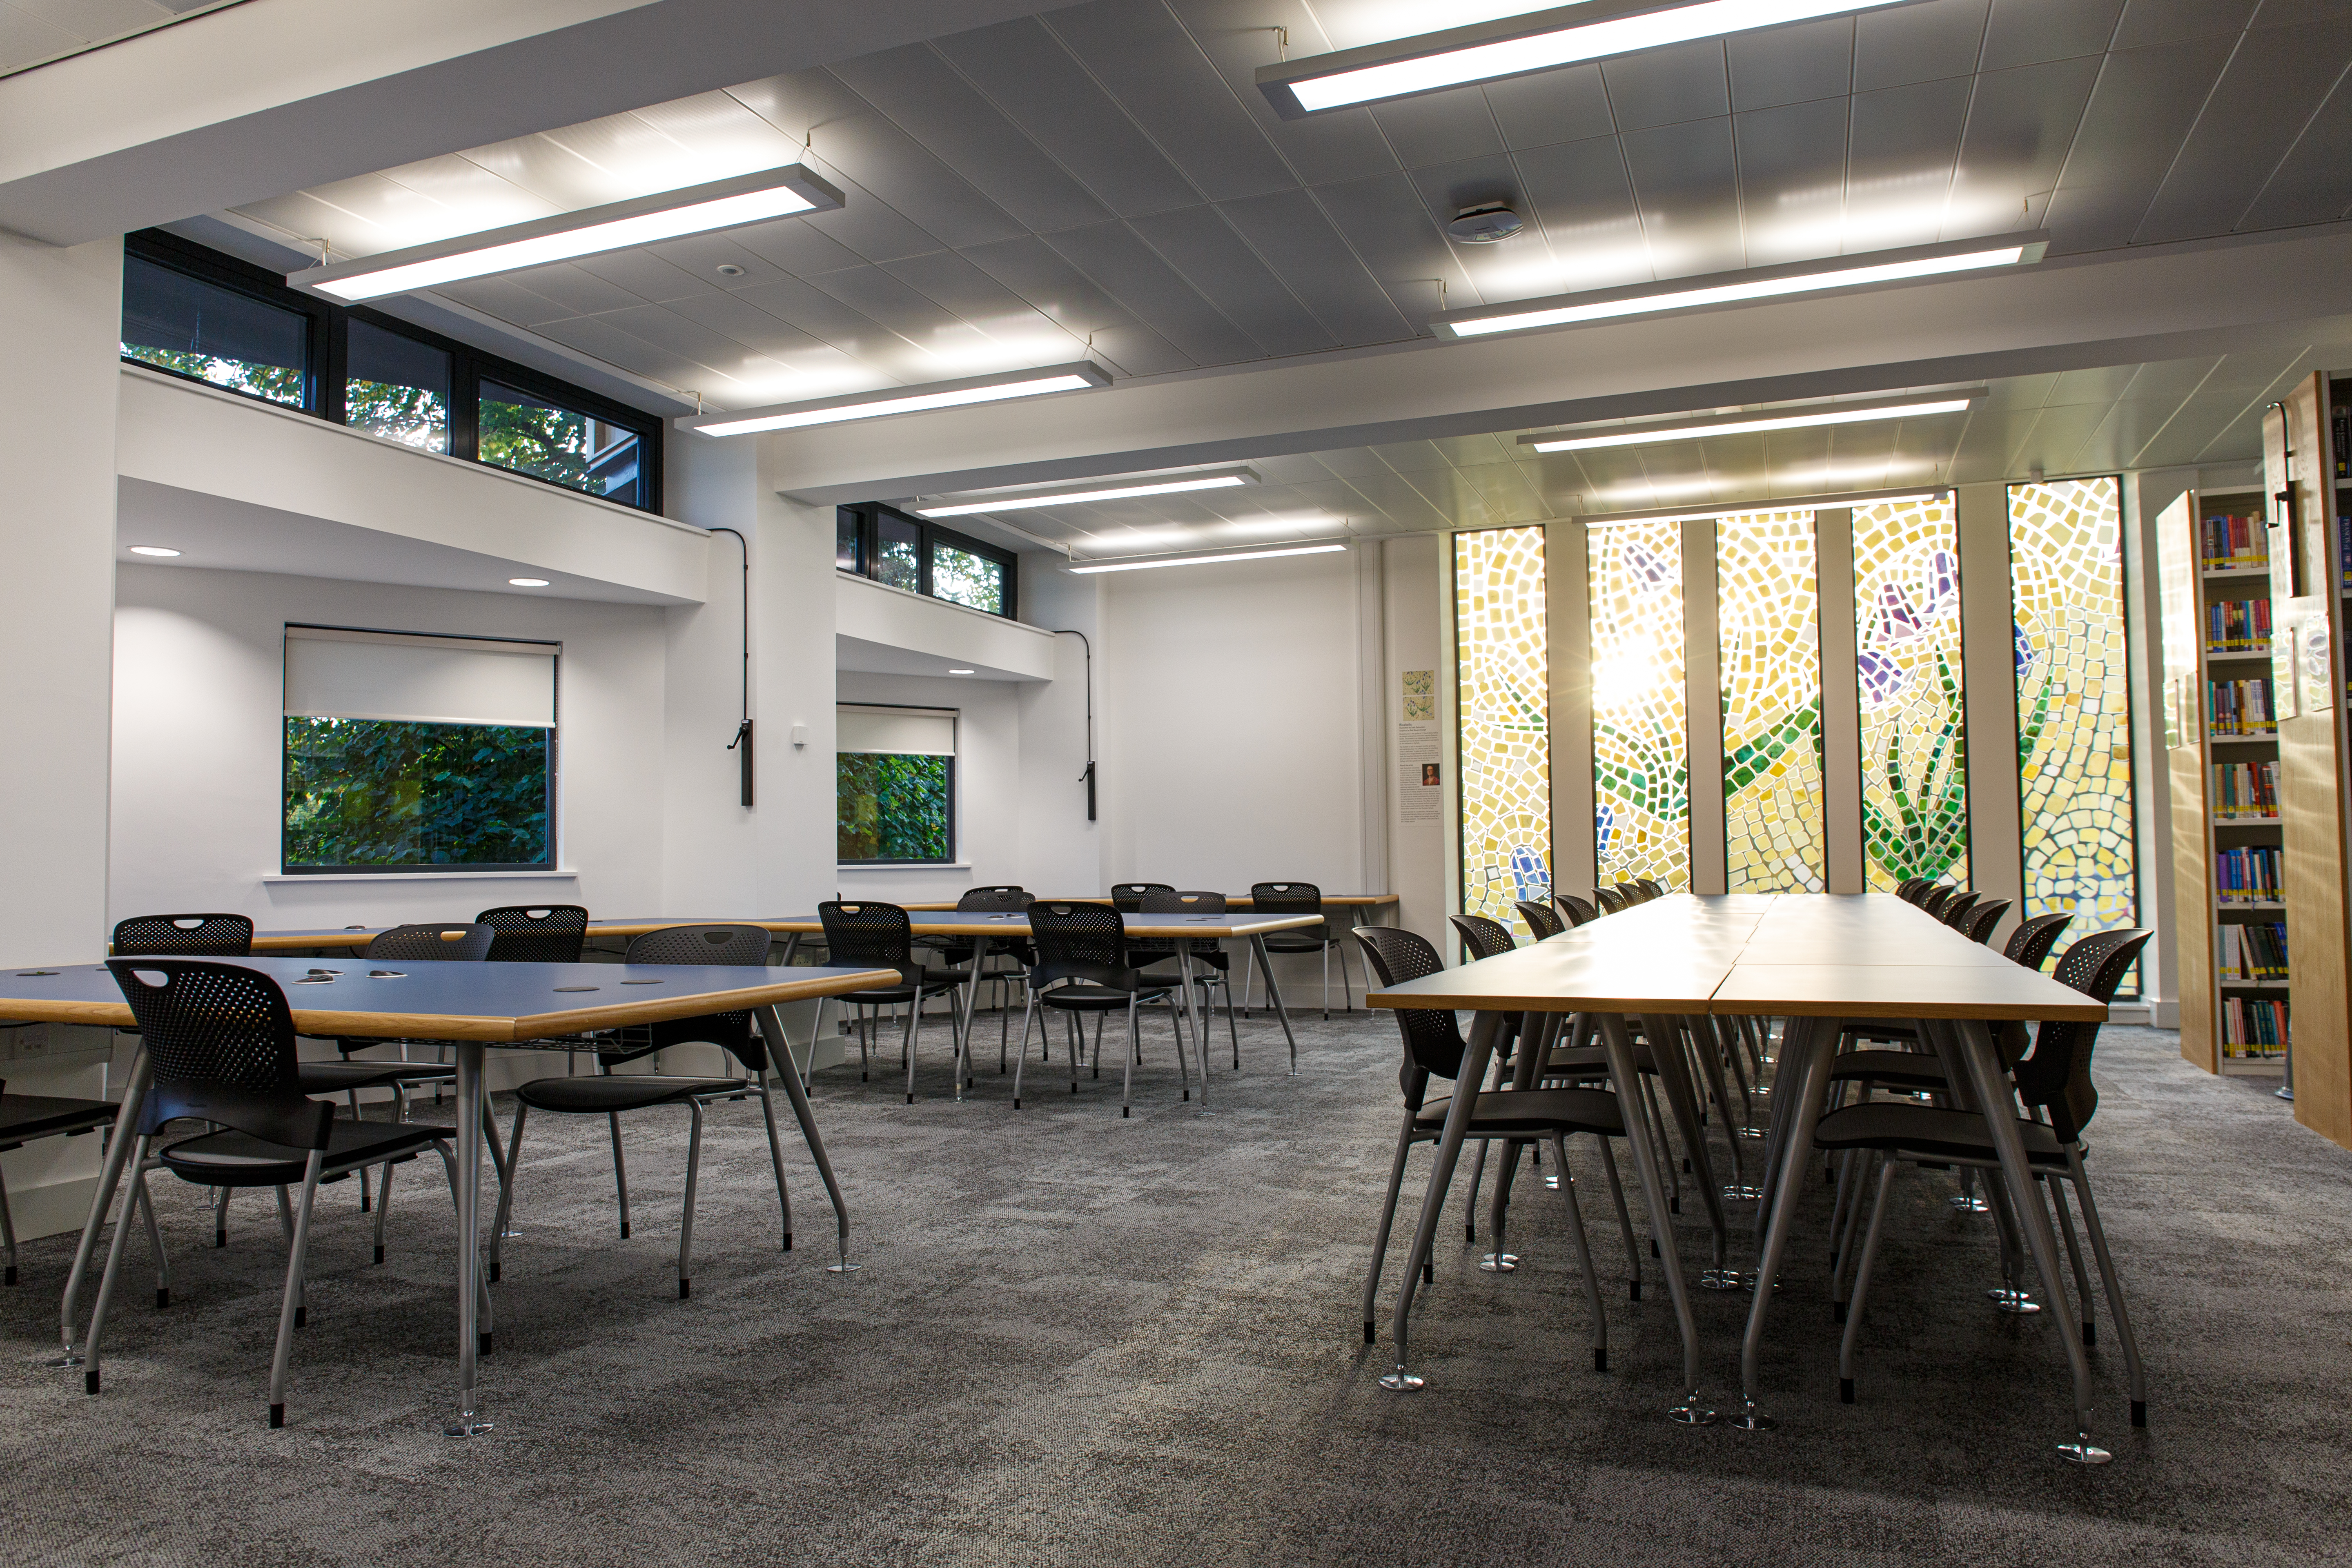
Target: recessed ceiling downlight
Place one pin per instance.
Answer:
(156, 550)
(528, 581)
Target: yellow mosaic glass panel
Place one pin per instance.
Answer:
(1768, 614)
(2073, 703)
(1641, 744)
(1503, 660)
(1906, 604)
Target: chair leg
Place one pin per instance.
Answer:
(914, 1033)
(1021, 1062)
(1327, 981)
(155, 1244)
(2075, 1257)
(620, 1173)
(864, 1065)
(289, 1306)
(776, 1158)
(2115, 1284)
(1841, 1264)
(1470, 1209)
(8, 1230)
(1583, 1255)
(1861, 1280)
(514, 1166)
(1345, 995)
(354, 1096)
(138, 1163)
(220, 1218)
(1134, 1049)
(685, 1223)
(1226, 983)
(1388, 1223)
(1624, 1221)
(286, 1223)
(383, 1205)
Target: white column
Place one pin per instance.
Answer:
(1568, 603)
(1703, 707)
(1989, 638)
(1842, 847)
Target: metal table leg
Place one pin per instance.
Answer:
(971, 1012)
(1627, 1078)
(1200, 1026)
(471, 1102)
(773, 1027)
(1274, 995)
(1664, 1035)
(1806, 1048)
(1466, 1085)
(118, 1152)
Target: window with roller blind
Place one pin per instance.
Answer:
(895, 802)
(409, 753)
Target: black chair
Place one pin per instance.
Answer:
(1633, 893)
(1542, 920)
(185, 936)
(2031, 942)
(1977, 925)
(879, 936)
(609, 1094)
(1910, 888)
(1434, 1048)
(220, 1041)
(954, 950)
(1956, 909)
(1301, 898)
(536, 933)
(1083, 966)
(2054, 1083)
(1482, 937)
(29, 1118)
(1127, 897)
(1573, 909)
(1610, 899)
(1937, 897)
(1651, 885)
(1212, 964)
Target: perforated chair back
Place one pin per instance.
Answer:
(2031, 942)
(867, 935)
(1482, 938)
(431, 944)
(1573, 909)
(728, 946)
(1633, 893)
(1168, 901)
(1979, 926)
(1610, 899)
(536, 933)
(1292, 899)
(186, 936)
(1934, 900)
(1956, 909)
(991, 900)
(1080, 941)
(2057, 1076)
(1433, 1046)
(220, 1042)
(1127, 897)
(1542, 918)
(1651, 885)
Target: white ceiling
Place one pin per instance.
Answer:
(32, 31)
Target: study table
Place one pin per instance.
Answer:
(473, 1006)
(1812, 959)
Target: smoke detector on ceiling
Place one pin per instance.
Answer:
(1484, 224)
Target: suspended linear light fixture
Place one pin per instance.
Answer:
(1905, 265)
(1521, 45)
(1082, 376)
(1146, 563)
(1657, 432)
(1117, 490)
(616, 226)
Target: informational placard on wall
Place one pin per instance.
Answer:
(1421, 780)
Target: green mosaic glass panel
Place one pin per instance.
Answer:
(1906, 604)
(2073, 703)
(1504, 739)
(1768, 614)
(1641, 744)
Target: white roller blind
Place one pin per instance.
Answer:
(332, 674)
(908, 732)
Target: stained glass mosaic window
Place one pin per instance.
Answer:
(1907, 603)
(1503, 659)
(1767, 616)
(2073, 703)
(1641, 744)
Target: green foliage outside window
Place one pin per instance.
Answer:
(548, 443)
(412, 415)
(380, 793)
(893, 808)
(277, 382)
(963, 578)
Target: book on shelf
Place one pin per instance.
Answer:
(2253, 1028)
(2232, 543)
(2239, 708)
(2245, 791)
(2237, 625)
(2254, 951)
(2248, 875)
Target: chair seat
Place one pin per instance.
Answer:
(1289, 941)
(1931, 1132)
(335, 1077)
(1086, 998)
(24, 1117)
(1910, 1069)
(239, 1160)
(621, 1091)
(934, 983)
(1144, 957)
(1500, 1114)
(1582, 1060)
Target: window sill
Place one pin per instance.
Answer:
(904, 866)
(562, 873)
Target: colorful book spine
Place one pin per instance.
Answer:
(2247, 875)
(2253, 1028)
(2251, 953)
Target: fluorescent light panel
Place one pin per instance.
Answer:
(1093, 567)
(1826, 502)
(642, 220)
(1520, 45)
(1751, 424)
(1178, 484)
(1082, 376)
(1732, 287)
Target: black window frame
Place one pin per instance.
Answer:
(869, 515)
(325, 376)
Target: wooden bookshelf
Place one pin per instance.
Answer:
(2209, 827)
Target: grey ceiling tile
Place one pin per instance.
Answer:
(689, 341)
(2102, 385)
(867, 226)
(1409, 456)
(1351, 462)
(1440, 128)
(1389, 493)
(2020, 127)
(1035, 272)
(1683, 181)
(1906, 142)
(1135, 349)
(1792, 179)
(824, 318)
(1291, 232)
(1387, 223)
(792, 246)
(2130, 429)
(927, 99)
(2275, 82)
(885, 301)
(2138, 116)
(1473, 451)
(2288, 13)
(1917, 43)
(2028, 32)
(746, 323)
(1789, 65)
(601, 337)
(2169, 21)
(577, 290)
(507, 299)
(1027, 74)
(1236, 36)
(1581, 195)
(1147, 61)
(646, 274)
(2056, 436)
(2175, 379)
(1132, 273)
(1216, 261)
(1924, 447)
(1992, 435)
(2240, 441)
(1665, 87)
(2017, 391)
(961, 289)
(1564, 105)
(1514, 268)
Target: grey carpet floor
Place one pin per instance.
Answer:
(1080, 1339)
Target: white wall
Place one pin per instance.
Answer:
(1414, 577)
